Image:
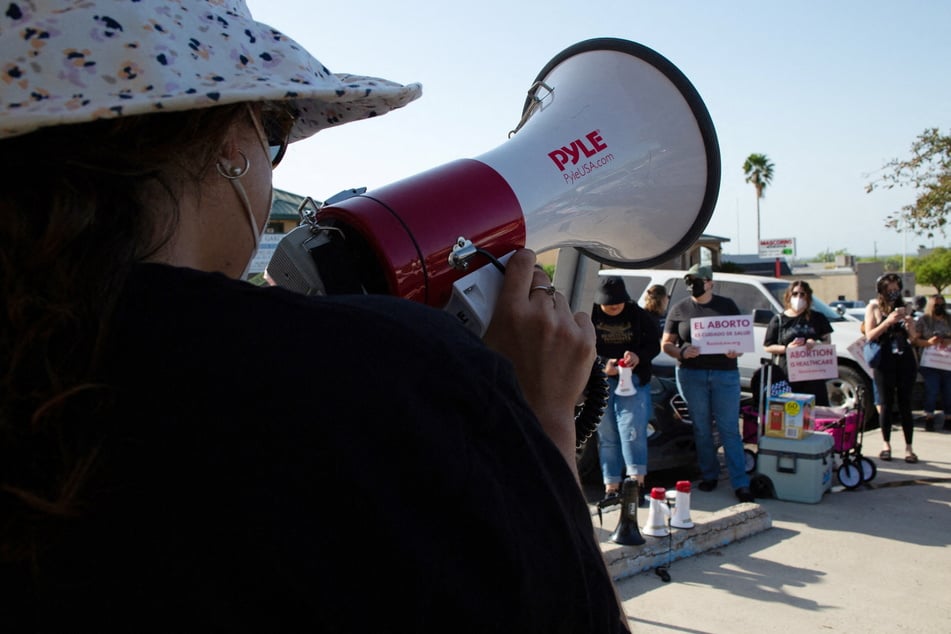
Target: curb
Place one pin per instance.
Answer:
(716, 530)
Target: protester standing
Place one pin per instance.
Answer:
(934, 330)
(888, 324)
(798, 326)
(626, 336)
(710, 383)
(169, 463)
(656, 301)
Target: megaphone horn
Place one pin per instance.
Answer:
(626, 532)
(615, 155)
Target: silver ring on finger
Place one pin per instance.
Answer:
(548, 288)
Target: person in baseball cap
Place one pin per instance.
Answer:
(183, 450)
(698, 271)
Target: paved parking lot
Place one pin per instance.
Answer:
(875, 559)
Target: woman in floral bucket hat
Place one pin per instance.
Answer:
(168, 460)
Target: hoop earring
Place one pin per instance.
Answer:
(234, 173)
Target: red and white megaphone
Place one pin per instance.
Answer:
(615, 155)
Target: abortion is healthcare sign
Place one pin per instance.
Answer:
(722, 334)
(818, 363)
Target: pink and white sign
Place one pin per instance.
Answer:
(857, 349)
(719, 335)
(817, 363)
(937, 357)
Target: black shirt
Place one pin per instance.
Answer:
(678, 321)
(633, 329)
(277, 462)
(783, 329)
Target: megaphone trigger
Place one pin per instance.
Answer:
(474, 296)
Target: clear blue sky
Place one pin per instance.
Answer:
(829, 91)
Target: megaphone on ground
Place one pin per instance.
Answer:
(615, 155)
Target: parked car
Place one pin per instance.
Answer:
(671, 451)
(847, 303)
(763, 298)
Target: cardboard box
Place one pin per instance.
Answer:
(800, 470)
(789, 415)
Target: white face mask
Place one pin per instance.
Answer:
(798, 304)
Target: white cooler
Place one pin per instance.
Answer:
(801, 470)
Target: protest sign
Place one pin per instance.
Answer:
(937, 357)
(722, 334)
(817, 363)
(857, 348)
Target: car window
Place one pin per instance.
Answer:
(747, 296)
(636, 285)
(830, 313)
(677, 289)
(778, 290)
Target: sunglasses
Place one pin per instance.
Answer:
(798, 294)
(277, 123)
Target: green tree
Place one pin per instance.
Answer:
(829, 255)
(928, 172)
(759, 171)
(934, 269)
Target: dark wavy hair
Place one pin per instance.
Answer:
(787, 297)
(79, 209)
(655, 297)
(881, 286)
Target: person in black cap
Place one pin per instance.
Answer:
(710, 383)
(626, 335)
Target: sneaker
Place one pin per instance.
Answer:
(707, 485)
(743, 494)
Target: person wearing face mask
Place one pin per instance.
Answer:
(181, 450)
(934, 330)
(710, 383)
(798, 325)
(887, 321)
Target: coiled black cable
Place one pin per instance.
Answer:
(588, 414)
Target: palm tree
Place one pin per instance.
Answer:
(759, 171)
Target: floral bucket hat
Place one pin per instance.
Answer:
(74, 61)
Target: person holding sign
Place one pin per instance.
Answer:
(798, 326)
(710, 383)
(934, 337)
(887, 322)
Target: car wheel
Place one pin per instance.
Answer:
(846, 390)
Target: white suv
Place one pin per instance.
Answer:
(762, 297)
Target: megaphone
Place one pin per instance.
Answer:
(615, 155)
(626, 532)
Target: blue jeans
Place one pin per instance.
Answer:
(936, 382)
(714, 396)
(622, 433)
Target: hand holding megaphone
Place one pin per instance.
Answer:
(625, 386)
(551, 348)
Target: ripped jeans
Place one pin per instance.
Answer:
(622, 433)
